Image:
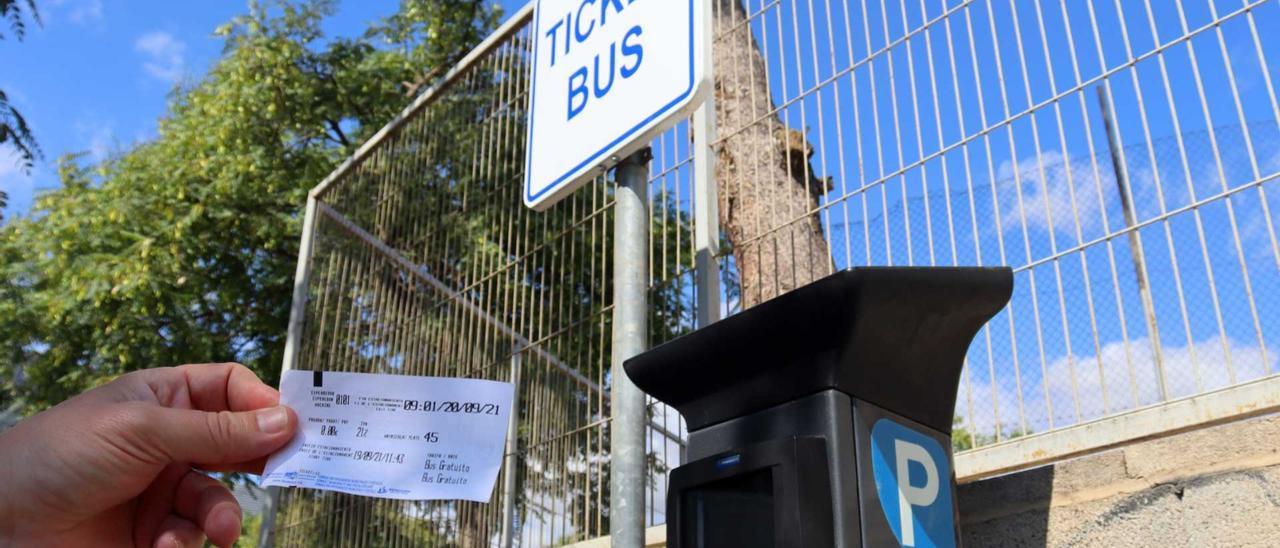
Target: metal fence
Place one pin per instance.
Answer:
(423, 261)
(1139, 220)
(1121, 156)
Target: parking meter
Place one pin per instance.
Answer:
(823, 417)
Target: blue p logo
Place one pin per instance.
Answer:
(913, 483)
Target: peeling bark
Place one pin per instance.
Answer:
(768, 193)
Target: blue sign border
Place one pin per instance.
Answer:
(625, 135)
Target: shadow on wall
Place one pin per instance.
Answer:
(1010, 510)
(1216, 486)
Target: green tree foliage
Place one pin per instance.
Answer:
(962, 439)
(250, 527)
(183, 248)
(455, 29)
(459, 220)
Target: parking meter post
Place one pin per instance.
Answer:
(823, 417)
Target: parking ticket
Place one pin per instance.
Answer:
(393, 436)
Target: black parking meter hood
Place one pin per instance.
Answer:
(895, 337)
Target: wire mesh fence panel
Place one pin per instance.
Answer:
(1120, 155)
(425, 262)
(672, 294)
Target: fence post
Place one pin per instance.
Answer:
(706, 215)
(630, 337)
(293, 337)
(706, 220)
(1135, 243)
(511, 461)
(706, 196)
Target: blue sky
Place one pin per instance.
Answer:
(95, 76)
(949, 183)
(905, 103)
(1015, 192)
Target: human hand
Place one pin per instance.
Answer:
(114, 465)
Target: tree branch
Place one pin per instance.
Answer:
(338, 133)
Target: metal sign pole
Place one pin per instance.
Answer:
(630, 337)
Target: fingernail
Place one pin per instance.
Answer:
(274, 420)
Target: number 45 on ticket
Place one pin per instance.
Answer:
(393, 436)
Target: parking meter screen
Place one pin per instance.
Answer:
(733, 512)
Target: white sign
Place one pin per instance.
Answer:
(608, 76)
(393, 436)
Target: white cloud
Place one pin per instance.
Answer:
(85, 12)
(1271, 165)
(1211, 363)
(1060, 176)
(101, 141)
(98, 138)
(1128, 373)
(982, 406)
(78, 12)
(10, 167)
(165, 55)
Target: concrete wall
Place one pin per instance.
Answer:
(1215, 486)
(1218, 486)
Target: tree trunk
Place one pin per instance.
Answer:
(768, 193)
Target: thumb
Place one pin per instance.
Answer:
(224, 437)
